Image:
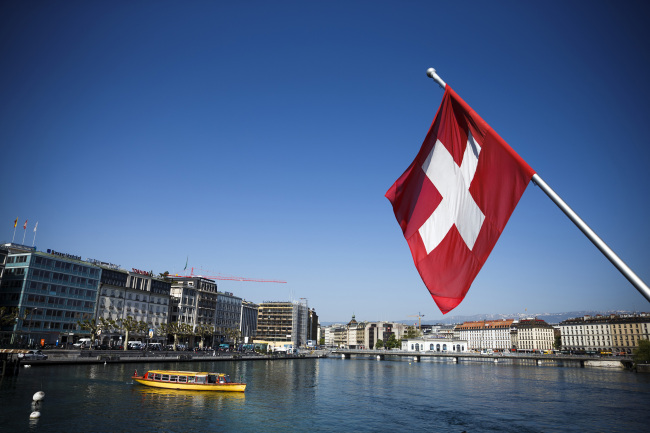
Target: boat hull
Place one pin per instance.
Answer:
(231, 387)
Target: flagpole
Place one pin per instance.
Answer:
(591, 235)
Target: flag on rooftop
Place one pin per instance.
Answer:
(25, 225)
(454, 200)
(16, 223)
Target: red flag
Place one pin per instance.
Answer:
(455, 199)
(25, 225)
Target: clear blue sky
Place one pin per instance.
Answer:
(259, 138)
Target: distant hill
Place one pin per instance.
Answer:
(552, 318)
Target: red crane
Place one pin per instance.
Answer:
(228, 278)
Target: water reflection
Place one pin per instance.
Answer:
(149, 397)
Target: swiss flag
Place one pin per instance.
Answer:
(455, 199)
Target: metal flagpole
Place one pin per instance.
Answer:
(593, 237)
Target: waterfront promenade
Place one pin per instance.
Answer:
(66, 357)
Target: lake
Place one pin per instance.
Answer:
(333, 395)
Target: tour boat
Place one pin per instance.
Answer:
(188, 380)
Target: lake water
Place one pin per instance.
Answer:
(333, 395)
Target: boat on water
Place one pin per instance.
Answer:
(188, 380)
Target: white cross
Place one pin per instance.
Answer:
(457, 206)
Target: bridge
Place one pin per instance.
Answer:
(522, 358)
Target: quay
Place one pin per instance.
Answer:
(521, 358)
(69, 357)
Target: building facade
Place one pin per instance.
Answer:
(486, 334)
(423, 345)
(618, 334)
(132, 296)
(283, 323)
(52, 292)
(228, 318)
(248, 327)
(532, 335)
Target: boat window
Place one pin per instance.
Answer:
(173, 378)
(165, 377)
(212, 378)
(222, 379)
(156, 377)
(227, 378)
(190, 379)
(182, 379)
(200, 379)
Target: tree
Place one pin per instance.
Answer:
(8, 316)
(203, 331)
(233, 334)
(558, 342)
(379, 344)
(392, 342)
(89, 325)
(129, 325)
(642, 353)
(411, 333)
(176, 329)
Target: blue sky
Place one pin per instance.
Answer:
(259, 139)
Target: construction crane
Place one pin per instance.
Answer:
(228, 278)
(419, 316)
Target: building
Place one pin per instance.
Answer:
(434, 345)
(313, 329)
(248, 327)
(52, 292)
(612, 333)
(587, 334)
(3, 260)
(128, 297)
(333, 335)
(531, 335)
(486, 334)
(283, 323)
(228, 318)
(627, 330)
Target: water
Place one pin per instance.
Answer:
(333, 395)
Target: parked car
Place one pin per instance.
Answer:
(33, 355)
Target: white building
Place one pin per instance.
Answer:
(434, 345)
(486, 334)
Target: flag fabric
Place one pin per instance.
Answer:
(16, 223)
(186, 260)
(25, 225)
(454, 200)
(36, 226)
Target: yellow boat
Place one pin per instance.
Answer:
(188, 380)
